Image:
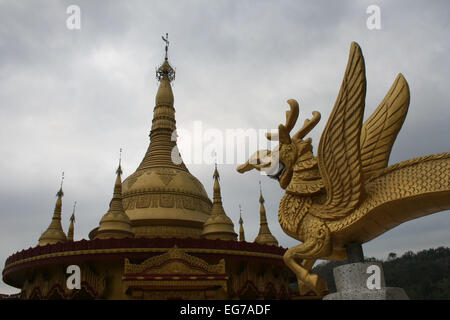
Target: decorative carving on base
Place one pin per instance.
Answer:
(175, 274)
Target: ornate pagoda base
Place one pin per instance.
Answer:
(363, 281)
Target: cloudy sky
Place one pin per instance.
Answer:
(69, 99)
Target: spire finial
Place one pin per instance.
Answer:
(119, 169)
(72, 218)
(216, 172)
(166, 40)
(261, 198)
(240, 212)
(60, 192)
(165, 71)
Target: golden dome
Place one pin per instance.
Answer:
(162, 198)
(54, 232)
(218, 225)
(165, 202)
(115, 223)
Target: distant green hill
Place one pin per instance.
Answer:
(423, 275)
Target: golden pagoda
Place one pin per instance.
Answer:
(54, 232)
(162, 237)
(162, 198)
(115, 223)
(264, 234)
(218, 225)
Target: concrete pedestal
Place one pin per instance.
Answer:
(363, 281)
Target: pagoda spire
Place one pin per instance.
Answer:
(172, 202)
(241, 226)
(72, 222)
(115, 223)
(54, 232)
(264, 235)
(163, 132)
(217, 196)
(218, 225)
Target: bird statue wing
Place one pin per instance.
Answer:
(380, 130)
(339, 148)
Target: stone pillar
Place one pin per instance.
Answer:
(354, 252)
(363, 281)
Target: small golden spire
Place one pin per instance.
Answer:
(218, 225)
(72, 222)
(54, 232)
(115, 223)
(217, 197)
(241, 226)
(264, 235)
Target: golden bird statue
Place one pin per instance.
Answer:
(347, 193)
